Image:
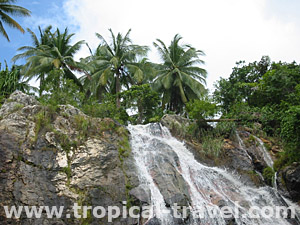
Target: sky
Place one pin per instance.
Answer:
(227, 31)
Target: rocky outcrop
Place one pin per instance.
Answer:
(59, 157)
(291, 179)
(178, 125)
(167, 178)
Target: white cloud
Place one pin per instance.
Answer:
(51, 16)
(227, 31)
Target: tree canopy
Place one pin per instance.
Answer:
(179, 77)
(268, 93)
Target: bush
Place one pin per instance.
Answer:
(268, 174)
(211, 144)
(66, 93)
(145, 101)
(201, 109)
(225, 129)
(11, 80)
(107, 108)
(290, 133)
(281, 162)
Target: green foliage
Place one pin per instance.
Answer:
(212, 143)
(111, 63)
(290, 133)
(2, 99)
(279, 84)
(10, 81)
(67, 171)
(17, 107)
(290, 125)
(268, 146)
(268, 174)
(124, 151)
(52, 52)
(241, 84)
(270, 97)
(82, 124)
(124, 146)
(107, 108)
(6, 11)
(139, 98)
(42, 120)
(201, 109)
(282, 161)
(143, 99)
(179, 77)
(225, 129)
(64, 140)
(61, 91)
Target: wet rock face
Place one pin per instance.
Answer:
(253, 150)
(163, 166)
(176, 124)
(154, 221)
(291, 176)
(233, 156)
(142, 193)
(55, 164)
(169, 181)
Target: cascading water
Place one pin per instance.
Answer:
(266, 155)
(269, 161)
(275, 181)
(262, 151)
(242, 145)
(207, 189)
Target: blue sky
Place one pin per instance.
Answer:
(43, 13)
(227, 31)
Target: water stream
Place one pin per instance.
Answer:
(165, 165)
(263, 150)
(242, 145)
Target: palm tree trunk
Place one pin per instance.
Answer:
(182, 94)
(42, 77)
(118, 89)
(140, 111)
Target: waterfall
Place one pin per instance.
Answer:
(275, 181)
(266, 155)
(267, 158)
(173, 176)
(242, 145)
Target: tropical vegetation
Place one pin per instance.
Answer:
(179, 77)
(117, 80)
(7, 10)
(52, 52)
(267, 93)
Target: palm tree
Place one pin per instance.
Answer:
(112, 62)
(52, 52)
(146, 72)
(28, 51)
(44, 39)
(179, 77)
(7, 9)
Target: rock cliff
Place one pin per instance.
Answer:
(59, 156)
